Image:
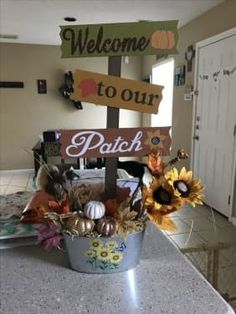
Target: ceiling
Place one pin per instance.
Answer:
(37, 21)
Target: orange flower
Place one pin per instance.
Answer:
(155, 164)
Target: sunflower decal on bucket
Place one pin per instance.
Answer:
(105, 255)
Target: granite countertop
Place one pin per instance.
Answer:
(35, 282)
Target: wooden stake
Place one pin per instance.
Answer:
(114, 68)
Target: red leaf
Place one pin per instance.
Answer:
(88, 87)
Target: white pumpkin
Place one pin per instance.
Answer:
(94, 210)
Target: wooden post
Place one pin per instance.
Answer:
(114, 68)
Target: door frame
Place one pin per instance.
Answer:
(229, 33)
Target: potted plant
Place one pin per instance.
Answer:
(105, 235)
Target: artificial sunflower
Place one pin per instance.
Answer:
(160, 197)
(185, 186)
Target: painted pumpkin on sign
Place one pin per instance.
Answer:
(94, 210)
(106, 226)
(163, 40)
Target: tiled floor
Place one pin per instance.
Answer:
(14, 182)
(207, 227)
(199, 228)
(208, 240)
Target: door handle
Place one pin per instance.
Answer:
(196, 137)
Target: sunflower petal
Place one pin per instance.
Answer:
(155, 216)
(182, 173)
(168, 224)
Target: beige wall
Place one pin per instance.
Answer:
(213, 22)
(25, 114)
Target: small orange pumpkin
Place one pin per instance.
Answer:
(162, 39)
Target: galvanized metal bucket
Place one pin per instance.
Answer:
(105, 254)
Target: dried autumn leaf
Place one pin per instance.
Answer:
(126, 221)
(155, 164)
(111, 207)
(60, 207)
(122, 194)
(129, 227)
(79, 196)
(126, 214)
(37, 214)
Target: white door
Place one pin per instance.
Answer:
(215, 119)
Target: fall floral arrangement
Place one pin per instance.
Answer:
(85, 211)
(169, 190)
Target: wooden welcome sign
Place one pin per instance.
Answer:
(123, 39)
(114, 142)
(115, 92)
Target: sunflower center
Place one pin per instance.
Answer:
(182, 187)
(104, 254)
(95, 244)
(162, 196)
